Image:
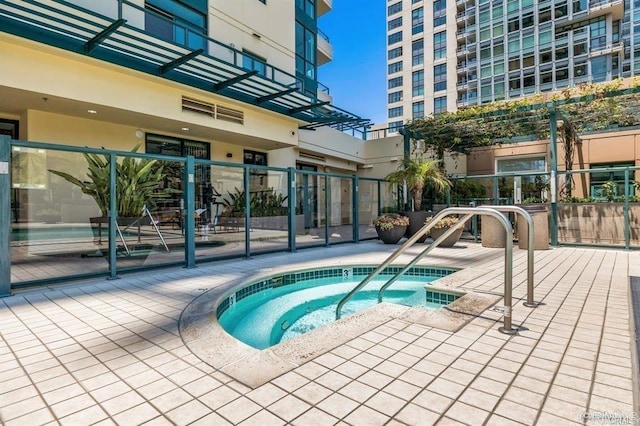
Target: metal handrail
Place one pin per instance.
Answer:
(426, 251)
(508, 260)
(530, 247)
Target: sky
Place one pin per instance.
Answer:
(357, 75)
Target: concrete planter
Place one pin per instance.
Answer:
(540, 217)
(597, 223)
(492, 232)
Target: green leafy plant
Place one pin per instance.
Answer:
(262, 203)
(387, 222)
(137, 183)
(417, 173)
(610, 190)
(445, 222)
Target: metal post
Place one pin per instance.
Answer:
(553, 153)
(113, 218)
(291, 174)
(356, 209)
(379, 198)
(627, 224)
(247, 212)
(326, 210)
(190, 212)
(496, 191)
(5, 216)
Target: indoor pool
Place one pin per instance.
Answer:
(278, 308)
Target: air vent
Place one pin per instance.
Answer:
(228, 114)
(212, 110)
(312, 157)
(198, 107)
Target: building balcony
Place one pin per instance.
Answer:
(115, 31)
(608, 49)
(325, 49)
(323, 6)
(605, 7)
(462, 51)
(324, 94)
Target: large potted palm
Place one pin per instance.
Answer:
(137, 186)
(417, 174)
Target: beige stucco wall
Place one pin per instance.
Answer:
(72, 83)
(237, 21)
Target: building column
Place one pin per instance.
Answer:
(5, 216)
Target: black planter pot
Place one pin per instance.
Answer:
(416, 222)
(391, 236)
(450, 240)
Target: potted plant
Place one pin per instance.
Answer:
(442, 226)
(417, 174)
(137, 186)
(391, 227)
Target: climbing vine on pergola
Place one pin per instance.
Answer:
(586, 108)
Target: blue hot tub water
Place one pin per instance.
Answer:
(276, 309)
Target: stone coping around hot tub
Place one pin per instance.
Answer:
(205, 337)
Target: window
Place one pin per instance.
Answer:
(395, 82)
(172, 21)
(418, 110)
(440, 77)
(417, 21)
(418, 83)
(440, 45)
(394, 23)
(254, 63)
(439, 105)
(439, 12)
(598, 34)
(394, 8)
(394, 126)
(394, 53)
(255, 158)
(395, 96)
(394, 38)
(305, 53)
(9, 128)
(308, 7)
(598, 179)
(167, 145)
(417, 52)
(395, 112)
(395, 67)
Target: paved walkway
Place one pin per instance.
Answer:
(106, 352)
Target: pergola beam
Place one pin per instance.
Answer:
(179, 61)
(230, 82)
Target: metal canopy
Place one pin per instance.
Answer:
(213, 66)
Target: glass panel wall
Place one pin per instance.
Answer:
(51, 218)
(368, 198)
(269, 211)
(223, 232)
(150, 221)
(310, 205)
(340, 209)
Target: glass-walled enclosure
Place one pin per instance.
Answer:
(170, 209)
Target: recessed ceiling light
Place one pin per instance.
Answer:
(185, 129)
(92, 111)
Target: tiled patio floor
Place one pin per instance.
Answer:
(107, 352)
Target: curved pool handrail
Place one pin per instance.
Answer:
(508, 267)
(426, 251)
(530, 303)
